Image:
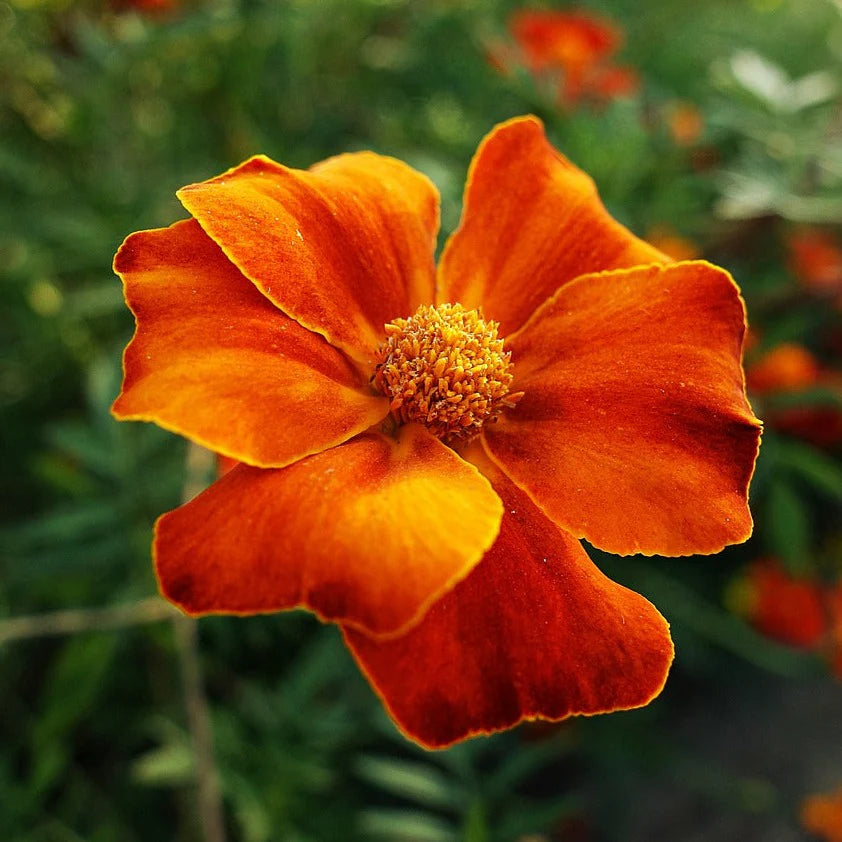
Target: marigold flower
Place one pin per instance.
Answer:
(785, 367)
(579, 45)
(834, 610)
(800, 611)
(685, 122)
(815, 258)
(780, 606)
(821, 814)
(792, 368)
(421, 451)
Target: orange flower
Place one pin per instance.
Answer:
(786, 367)
(834, 602)
(685, 123)
(801, 612)
(297, 324)
(816, 260)
(609, 83)
(791, 368)
(782, 607)
(822, 815)
(578, 44)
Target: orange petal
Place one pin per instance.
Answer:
(369, 533)
(214, 360)
(536, 630)
(634, 431)
(532, 221)
(343, 248)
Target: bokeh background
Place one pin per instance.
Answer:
(712, 128)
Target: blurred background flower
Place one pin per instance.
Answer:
(801, 611)
(815, 258)
(574, 50)
(821, 814)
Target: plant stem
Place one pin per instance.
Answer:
(198, 465)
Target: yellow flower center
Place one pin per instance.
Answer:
(445, 367)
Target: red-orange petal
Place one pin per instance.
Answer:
(369, 533)
(535, 631)
(342, 248)
(634, 431)
(214, 360)
(531, 222)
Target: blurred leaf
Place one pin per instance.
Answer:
(817, 397)
(769, 83)
(531, 816)
(515, 768)
(681, 605)
(418, 782)
(171, 764)
(475, 827)
(786, 524)
(72, 523)
(819, 470)
(405, 826)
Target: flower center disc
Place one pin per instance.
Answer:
(444, 367)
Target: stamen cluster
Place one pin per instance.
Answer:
(445, 367)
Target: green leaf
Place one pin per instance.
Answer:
(476, 824)
(786, 524)
(821, 471)
(515, 767)
(422, 783)
(526, 816)
(682, 605)
(405, 826)
(817, 397)
(168, 765)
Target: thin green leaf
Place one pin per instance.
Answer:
(405, 826)
(818, 469)
(422, 783)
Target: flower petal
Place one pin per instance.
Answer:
(369, 533)
(534, 631)
(532, 221)
(214, 360)
(343, 248)
(634, 431)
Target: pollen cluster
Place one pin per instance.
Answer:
(445, 367)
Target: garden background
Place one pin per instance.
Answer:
(711, 128)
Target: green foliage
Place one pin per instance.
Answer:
(473, 792)
(104, 112)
